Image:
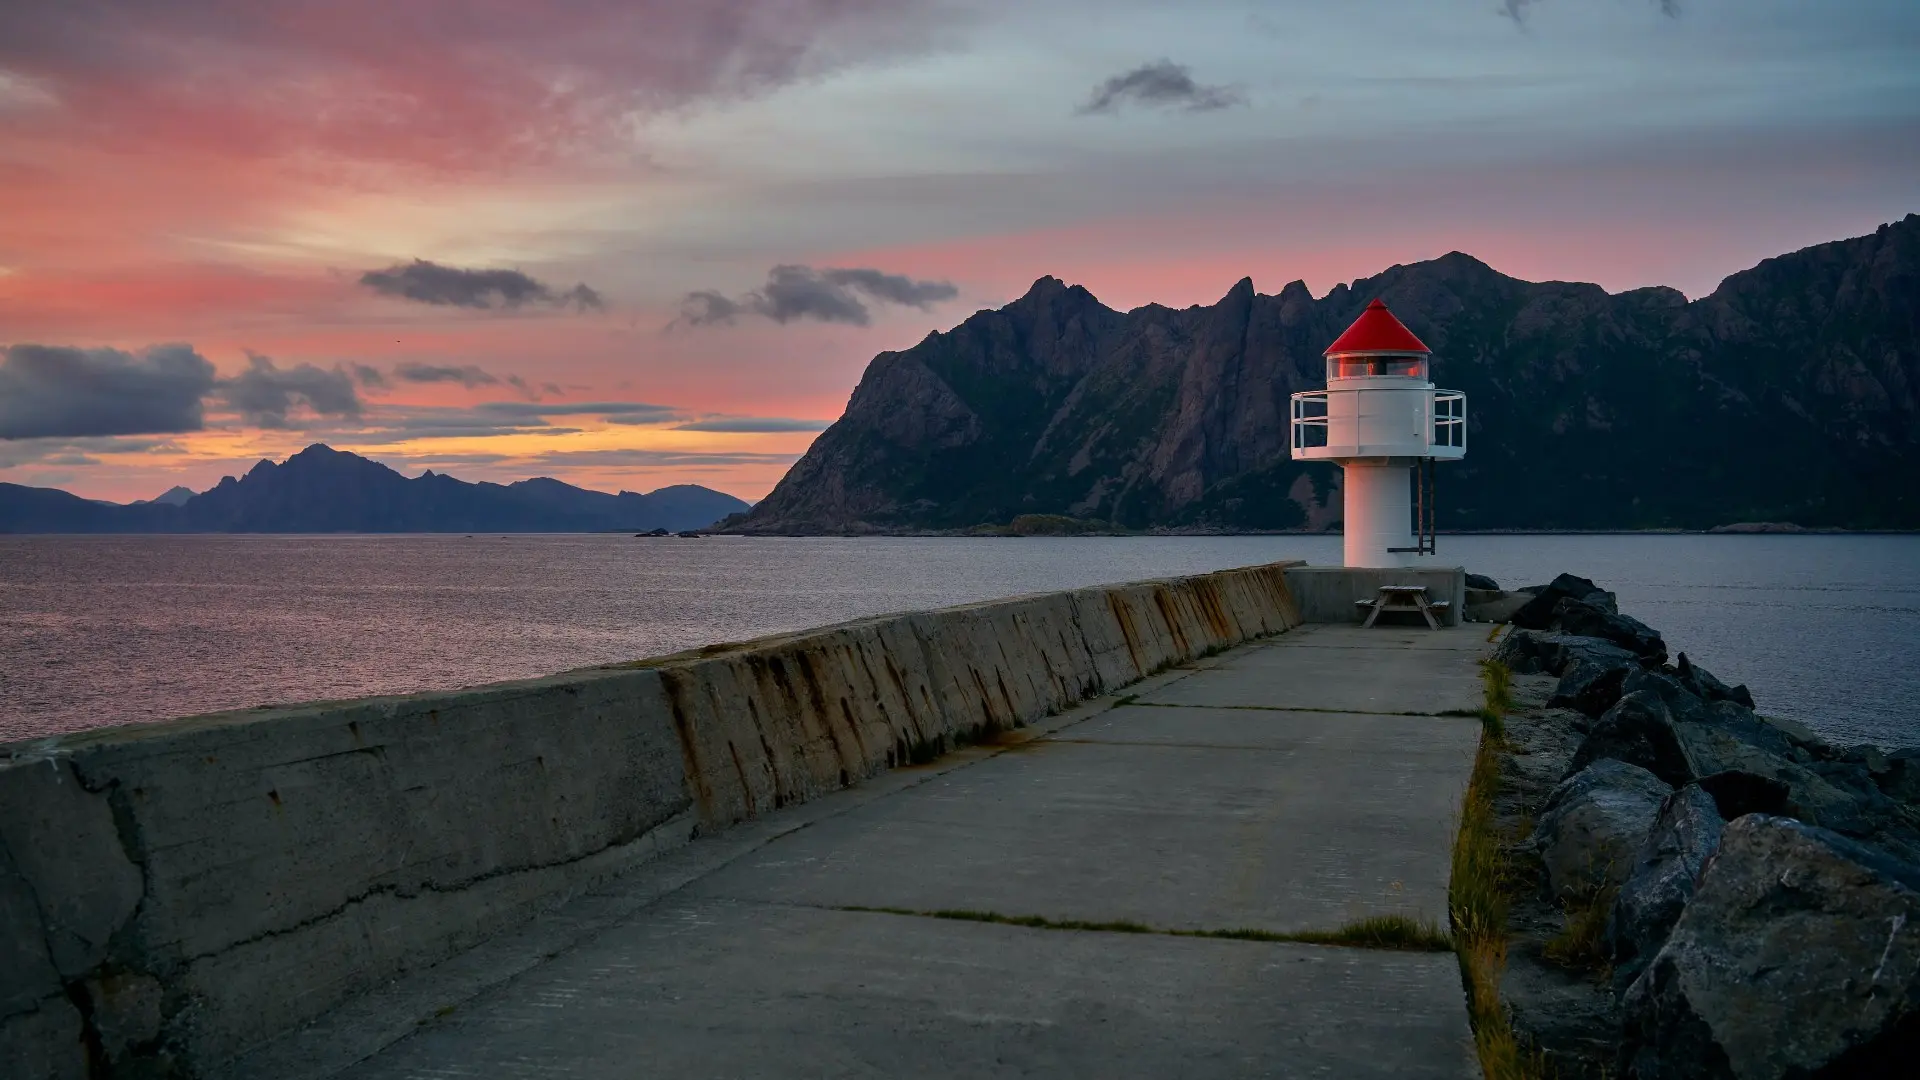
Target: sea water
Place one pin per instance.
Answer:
(103, 630)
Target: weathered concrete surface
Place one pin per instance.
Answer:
(1176, 818)
(1347, 669)
(1326, 594)
(363, 1026)
(784, 719)
(253, 872)
(713, 988)
(1194, 818)
(207, 884)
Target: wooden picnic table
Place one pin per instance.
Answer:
(1404, 598)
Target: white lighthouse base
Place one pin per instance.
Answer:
(1379, 513)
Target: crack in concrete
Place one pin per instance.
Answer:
(442, 888)
(1295, 708)
(1145, 745)
(1396, 933)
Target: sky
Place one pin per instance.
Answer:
(633, 243)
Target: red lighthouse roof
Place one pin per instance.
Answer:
(1376, 330)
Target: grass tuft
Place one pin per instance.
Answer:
(1498, 680)
(1579, 943)
(1477, 895)
(1385, 932)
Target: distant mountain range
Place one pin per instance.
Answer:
(321, 489)
(173, 496)
(1791, 394)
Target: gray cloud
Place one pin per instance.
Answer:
(631, 412)
(386, 424)
(60, 405)
(451, 286)
(471, 376)
(1517, 9)
(467, 375)
(832, 295)
(660, 458)
(63, 392)
(449, 86)
(72, 451)
(532, 392)
(265, 393)
(410, 429)
(403, 423)
(704, 307)
(753, 425)
(1161, 84)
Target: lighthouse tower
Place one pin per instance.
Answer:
(1382, 420)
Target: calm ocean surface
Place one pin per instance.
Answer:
(96, 631)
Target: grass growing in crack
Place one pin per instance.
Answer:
(1036, 921)
(1477, 895)
(1394, 932)
(1579, 943)
(1498, 681)
(1384, 932)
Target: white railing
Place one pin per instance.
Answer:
(1440, 426)
(1450, 419)
(1309, 419)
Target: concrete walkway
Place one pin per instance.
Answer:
(1290, 785)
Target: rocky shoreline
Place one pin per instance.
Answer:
(1696, 889)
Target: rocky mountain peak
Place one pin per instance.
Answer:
(1788, 395)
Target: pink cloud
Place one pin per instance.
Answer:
(444, 84)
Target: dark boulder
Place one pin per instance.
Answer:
(1798, 956)
(1491, 607)
(1702, 683)
(1639, 731)
(1686, 707)
(1868, 757)
(1529, 652)
(1482, 582)
(1804, 744)
(1585, 620)
(1738, 794)
(1537, 613)
(1537, 652)
(1902, 779)
(1592, 823)
(1661, 879)
(1590, 687)
(1682, 703)
(1853, 776)
(1811, 797)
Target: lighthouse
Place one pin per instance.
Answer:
(1382, 420)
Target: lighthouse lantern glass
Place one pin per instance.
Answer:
(1355, 367)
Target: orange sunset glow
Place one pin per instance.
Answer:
(638, 244)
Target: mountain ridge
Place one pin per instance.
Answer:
(320, 490)
(1787, 394)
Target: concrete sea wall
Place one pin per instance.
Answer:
(174, 894)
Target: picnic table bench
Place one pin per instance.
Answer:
(1404, 598)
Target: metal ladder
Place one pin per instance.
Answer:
(1424, 530)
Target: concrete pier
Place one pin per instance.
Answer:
(1294, 784)
(995, 839)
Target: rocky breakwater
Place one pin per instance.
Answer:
(1705, 891)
